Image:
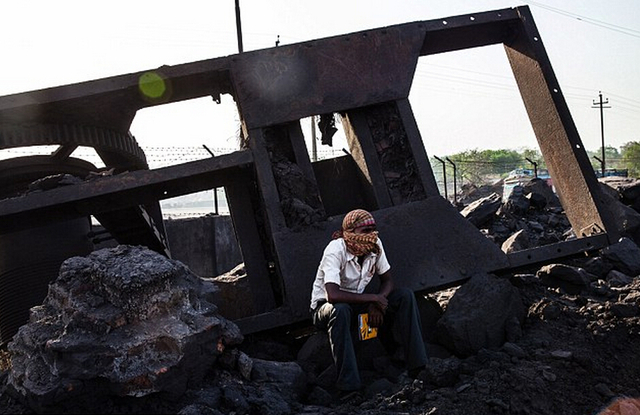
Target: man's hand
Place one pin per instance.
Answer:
(377, 310)
(381, 302)
(378, 303)
(376, 316)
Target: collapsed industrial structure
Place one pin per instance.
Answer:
(282, 224)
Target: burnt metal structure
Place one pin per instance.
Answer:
(363, 77)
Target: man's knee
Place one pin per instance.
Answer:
(340, 319)
(342, 312)
(403, 294)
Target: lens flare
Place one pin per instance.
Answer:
(152, 85)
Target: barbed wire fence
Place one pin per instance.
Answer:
(453, 178)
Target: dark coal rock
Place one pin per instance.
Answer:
(121, 322)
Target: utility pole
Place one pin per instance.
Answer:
(314, 145)
(238, 26)
(600, 104)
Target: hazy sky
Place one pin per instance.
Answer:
(462, 100)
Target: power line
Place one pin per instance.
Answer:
(600, 23)
(423, 77)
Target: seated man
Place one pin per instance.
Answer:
(348, 264)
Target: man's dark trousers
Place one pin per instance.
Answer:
(402, 321)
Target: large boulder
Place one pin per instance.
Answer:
(627, 219)
(517, 203)
(627, 189)
(485, 312)
(624, 255)
(121, 322)
(482, 210)
(542, 189)
(572, 280)
(519, 241)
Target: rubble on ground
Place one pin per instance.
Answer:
(560, 338)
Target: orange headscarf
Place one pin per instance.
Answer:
(358, 243)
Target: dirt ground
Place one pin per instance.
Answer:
(576, 355)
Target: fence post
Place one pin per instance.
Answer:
(535, 167)
(444, 176)
(215, 189)
(455, 190)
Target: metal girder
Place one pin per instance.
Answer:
(112, 102)
(276, 85)
(470, 30)
(546, 253)
(560, 145)
(109, 194)
(134, 226)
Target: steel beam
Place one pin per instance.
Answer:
(109, 194)
(560, 145)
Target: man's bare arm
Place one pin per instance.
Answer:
(376, 310)
(336, 295)
(386, 284)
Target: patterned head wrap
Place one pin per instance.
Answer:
(358, 243)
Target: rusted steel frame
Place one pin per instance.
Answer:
(353, 70)
(469, 31)
(112, 102)
(439, 249)
(417, 148)
(557, 135)
(241, 196)
(348, 71)
(364, 154)
(266, 180)
(392, 151)
(271, 220)
(296, 136)
(364, 149)
(342, 185)
(135, 226)
(121, 191)
(283, 84)
(298, 259)
(278, 317)
(548, 253)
